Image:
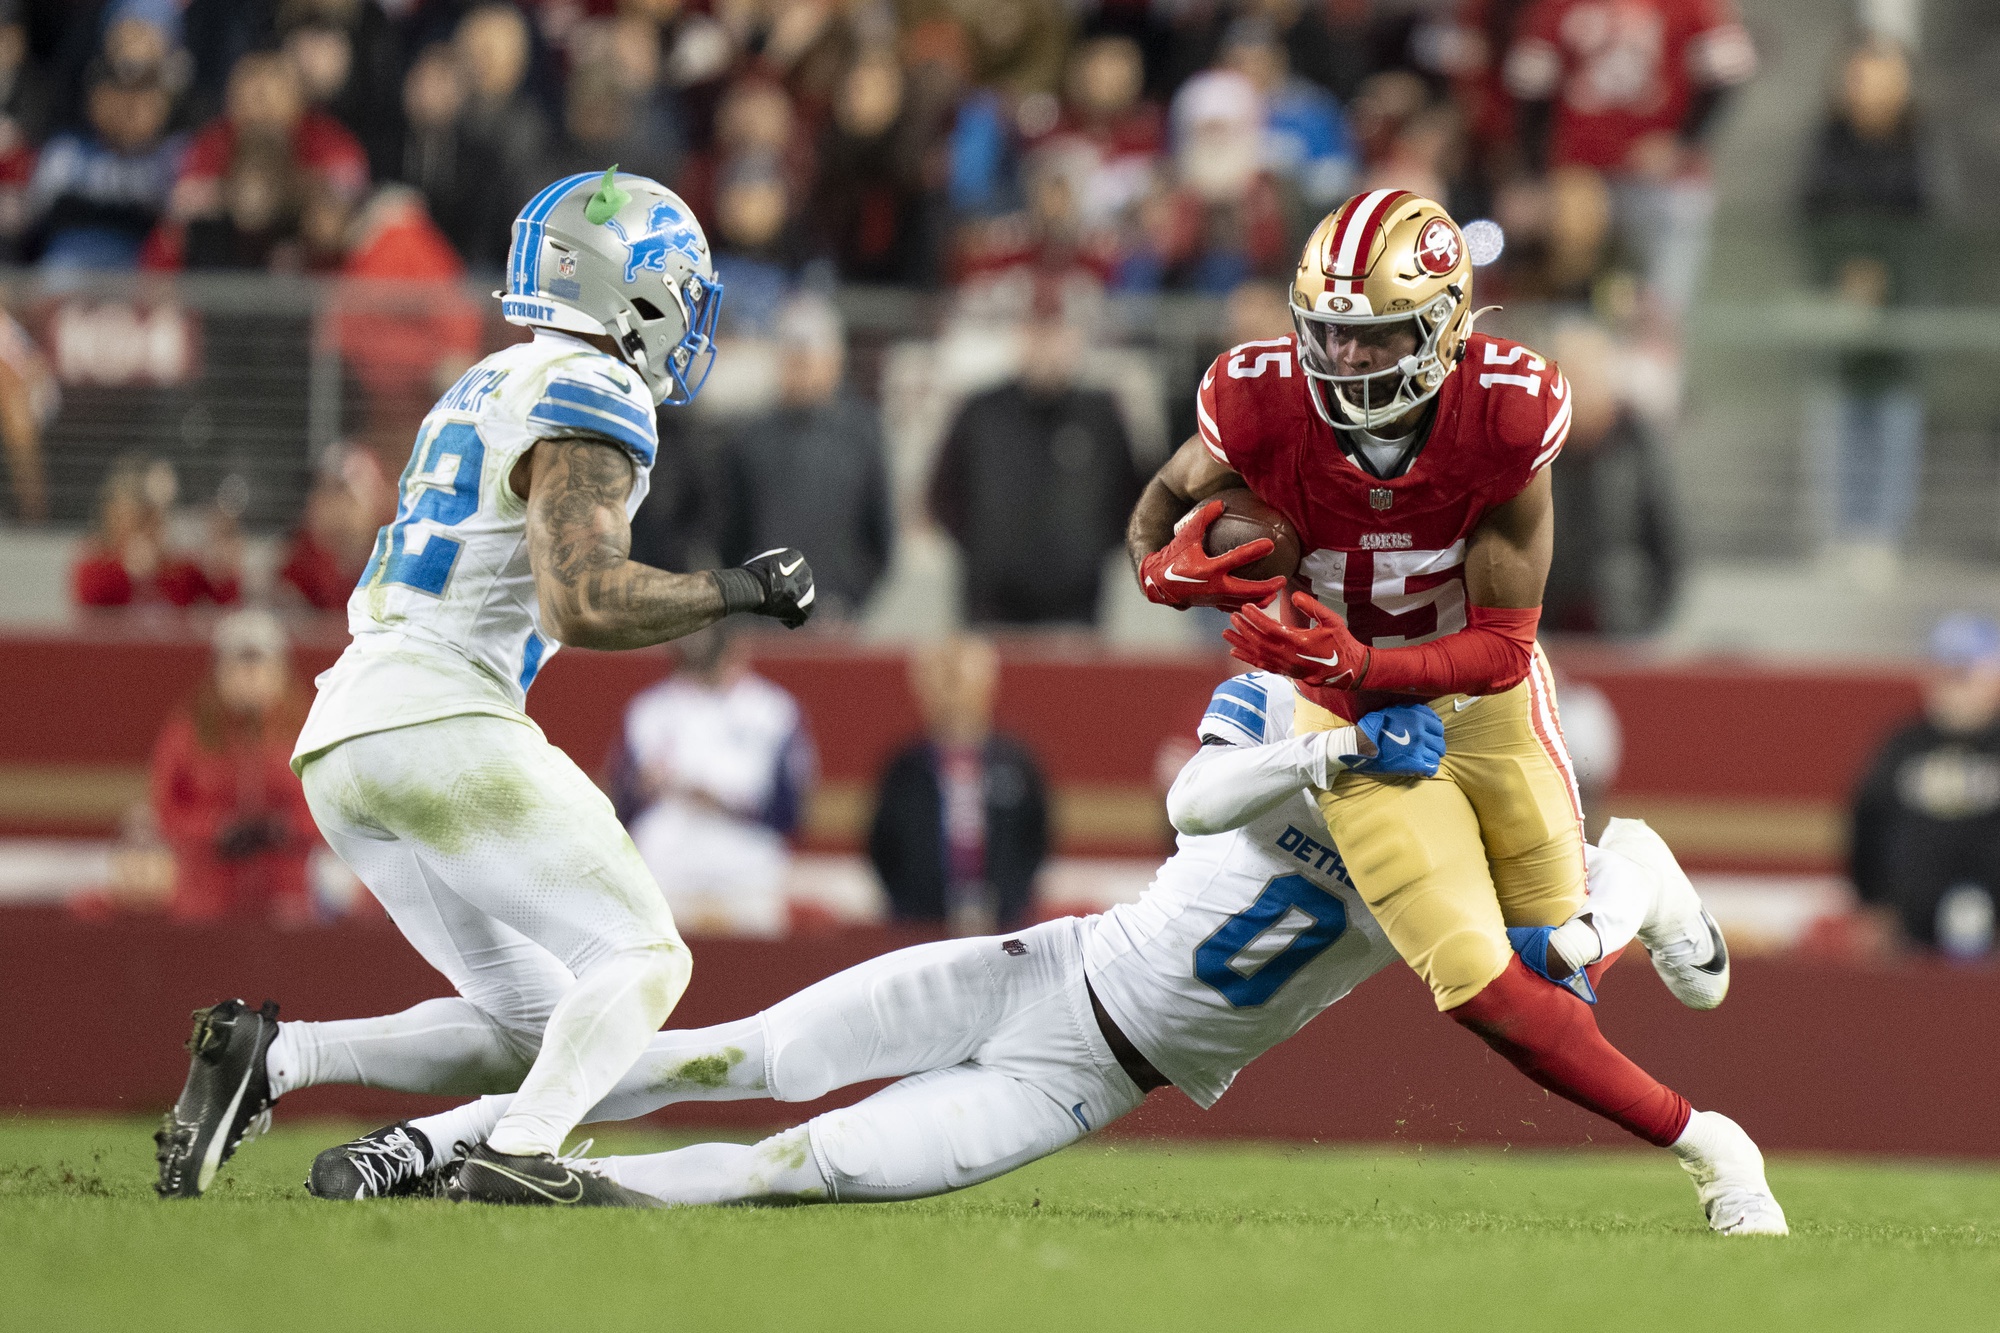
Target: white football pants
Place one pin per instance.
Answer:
(504, 866)
(1000, 1059)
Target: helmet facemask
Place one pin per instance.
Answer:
(1373, 399)
(673, 350)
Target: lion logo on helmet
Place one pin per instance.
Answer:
(1438, 247)
(666, 232)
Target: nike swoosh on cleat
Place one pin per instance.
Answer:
(1718, 961)
(786, 570)
(1403, 739)
(211, 1160)
(536, 1185)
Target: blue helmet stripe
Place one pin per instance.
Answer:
(529, 230)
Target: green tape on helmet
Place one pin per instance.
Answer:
(604, 205)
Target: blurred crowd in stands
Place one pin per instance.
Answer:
(1030, 156)
(1133, 144)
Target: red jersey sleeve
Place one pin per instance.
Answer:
(1524, 407)
(1246, 392)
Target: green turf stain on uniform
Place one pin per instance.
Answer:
(451, 813)
(787, 1151)
(709, 1071)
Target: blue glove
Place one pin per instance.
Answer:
(1409, 740)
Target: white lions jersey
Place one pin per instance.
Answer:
(445, 619)
(1243, 937)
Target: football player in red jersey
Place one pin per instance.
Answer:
(1411, 454)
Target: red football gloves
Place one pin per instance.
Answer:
(1324, 653)
(1181, 574)
(1494, 652)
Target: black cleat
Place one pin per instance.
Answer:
(388, 1163)
(490, 1177)
(226, 1100)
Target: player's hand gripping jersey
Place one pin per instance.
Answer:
(1243, 937)
(1387, 554)
(446, 620)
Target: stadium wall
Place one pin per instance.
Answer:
(82, 711)
(98, 1011)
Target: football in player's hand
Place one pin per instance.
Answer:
(1245, 518)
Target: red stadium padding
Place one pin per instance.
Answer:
(84, 709)
(1811, 1057)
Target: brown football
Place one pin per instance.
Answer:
(1245, 518)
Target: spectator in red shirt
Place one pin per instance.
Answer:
(126, 560)
(1126, 134)
(1631, 88)
(223, 790)
(1226, 217)
(266, 121)
(348, 504)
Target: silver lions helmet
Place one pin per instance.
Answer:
(619, 255)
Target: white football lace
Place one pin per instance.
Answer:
(579, 1157)
(386, 1162)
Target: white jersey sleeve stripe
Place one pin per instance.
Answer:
(571, 418)
(1238, 713)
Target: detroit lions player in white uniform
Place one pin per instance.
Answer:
(1010, 1048)
(494, 854)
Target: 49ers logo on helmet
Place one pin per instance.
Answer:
(1438, 248)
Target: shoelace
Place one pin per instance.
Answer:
(382, 1163)
(578, 1158)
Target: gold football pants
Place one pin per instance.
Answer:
(1494, 840)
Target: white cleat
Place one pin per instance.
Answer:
(1728, 1174)
(1687, 946)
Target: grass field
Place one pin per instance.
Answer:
(1100, 1237)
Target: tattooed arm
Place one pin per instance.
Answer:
(593, 595)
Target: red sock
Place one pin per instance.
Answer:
(1597, 969)
(1552, 1037)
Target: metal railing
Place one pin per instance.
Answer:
(251, 377)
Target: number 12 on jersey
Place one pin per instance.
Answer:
(440, 488)
(1263, 946)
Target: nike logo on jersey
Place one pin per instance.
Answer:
(788, 570)
(1403, 739)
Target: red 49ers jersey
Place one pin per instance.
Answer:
(1621, 69)
(1389, 556)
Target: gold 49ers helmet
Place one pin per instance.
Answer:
(1381, 262)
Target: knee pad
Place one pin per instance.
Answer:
(804, 1067)
(663, 972)
(1461, 964)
